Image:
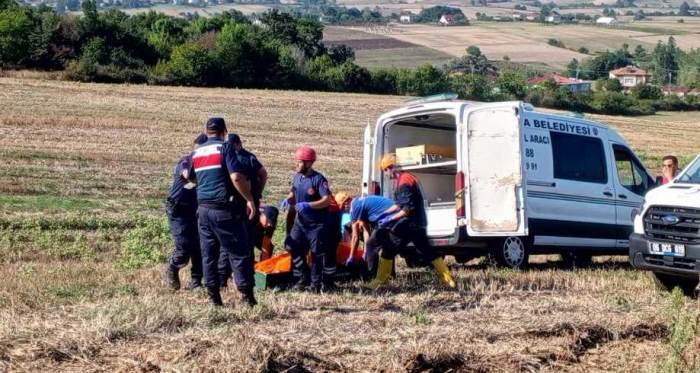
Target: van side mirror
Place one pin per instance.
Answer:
(659, 180)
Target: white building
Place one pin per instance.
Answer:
(608, 21)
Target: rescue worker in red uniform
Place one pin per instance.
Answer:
(407, 225)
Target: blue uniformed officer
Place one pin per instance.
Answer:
(181, 207)
(225, 203)
(256, 174)
(311, 196)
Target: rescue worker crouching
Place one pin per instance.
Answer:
(407, 224)
(311, 197)
(225, 204)
(181, 208)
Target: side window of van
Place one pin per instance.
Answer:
(578, 158)
(629, 172)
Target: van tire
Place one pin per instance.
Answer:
(576, 259)
(668, 282)
(512, 252)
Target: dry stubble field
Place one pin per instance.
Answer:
(86, 165)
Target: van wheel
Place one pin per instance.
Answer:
(576, 260)
(668, 282)
(512, 252)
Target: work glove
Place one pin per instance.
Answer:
(284, 205)
(303, 207)
(385, 221)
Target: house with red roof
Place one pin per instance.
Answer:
(574, 85)
(630, 76)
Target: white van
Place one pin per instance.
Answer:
(521, 181)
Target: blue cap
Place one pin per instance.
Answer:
(201, 139)
(216, 124)
(234, 138)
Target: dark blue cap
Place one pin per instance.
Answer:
(234, 138)
(201, 139)
(216, 124)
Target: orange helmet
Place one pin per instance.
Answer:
(306, 153)
(389, 160)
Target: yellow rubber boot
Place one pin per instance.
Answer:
(444, 273)
(383, 273)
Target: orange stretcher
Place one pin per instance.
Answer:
(282, 263)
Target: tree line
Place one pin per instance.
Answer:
(276, 50)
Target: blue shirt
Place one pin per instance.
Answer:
(178, 193)
(212, 165)
(311, 189)
(370, 208)
(252, 167)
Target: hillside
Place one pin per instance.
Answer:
(86, 167)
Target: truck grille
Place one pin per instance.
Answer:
(673, 224)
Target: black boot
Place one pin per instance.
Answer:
(248, 297)
(301, 284)
(172, 278)
(214, 297)
(329, 287)
(193, 285)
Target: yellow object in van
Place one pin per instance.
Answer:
(426, 153)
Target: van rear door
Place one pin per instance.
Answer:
(491, 153)
(367, 161)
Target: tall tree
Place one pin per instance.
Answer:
(665, 59)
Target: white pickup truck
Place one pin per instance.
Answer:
(666, 238)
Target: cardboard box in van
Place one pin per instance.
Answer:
(421, 154)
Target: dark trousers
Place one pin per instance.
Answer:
(303, 237)
(395, 239)
(183, 227)
(223, 233)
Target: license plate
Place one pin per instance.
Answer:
(668, 249)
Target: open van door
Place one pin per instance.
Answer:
(491, 149)
(368, 162)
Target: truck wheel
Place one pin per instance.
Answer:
(668, 282)
(577, 260)
(512, 252)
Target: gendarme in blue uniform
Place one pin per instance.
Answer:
(181, 207)
(178, 193)
(252, 168)
(222, 228)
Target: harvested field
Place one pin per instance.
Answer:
(383, 43)
(377, 51)
(87, 164)
(527, 42)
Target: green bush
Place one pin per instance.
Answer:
(147, 244)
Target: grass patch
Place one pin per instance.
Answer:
(682, 327)
(145, 245)
(419, 316)
(44, 202)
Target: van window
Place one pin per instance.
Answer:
(629, 172)
(578, 158)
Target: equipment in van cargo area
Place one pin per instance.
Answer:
(423, 154)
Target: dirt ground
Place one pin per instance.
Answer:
(82, 163)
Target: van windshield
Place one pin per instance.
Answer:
(691, 174)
